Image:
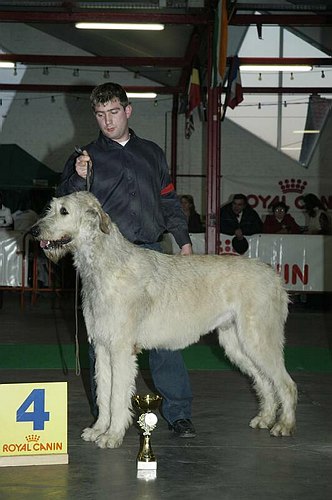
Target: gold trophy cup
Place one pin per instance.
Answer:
(145, 405)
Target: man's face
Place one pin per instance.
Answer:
(238, 206)
(112, 119)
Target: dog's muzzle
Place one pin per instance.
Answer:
(49, 244)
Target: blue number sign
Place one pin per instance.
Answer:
(38, 416)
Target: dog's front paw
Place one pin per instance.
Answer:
(261, 422)
(91, 434)
(282, 429)
(109, 440)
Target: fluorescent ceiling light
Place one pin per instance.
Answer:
(275, 68)
(119, 26)
(291, 148)
(6, 64)
(306, 131)
(141, 95)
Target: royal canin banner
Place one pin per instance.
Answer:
(303, 261)
(262, 192)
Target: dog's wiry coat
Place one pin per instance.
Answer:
(135, 298)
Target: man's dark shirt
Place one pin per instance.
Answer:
(133, 185)
(250, 222)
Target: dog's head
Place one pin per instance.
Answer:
(69, 221)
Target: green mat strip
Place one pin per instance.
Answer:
(197, 357)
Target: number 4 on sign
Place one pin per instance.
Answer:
(38, 416)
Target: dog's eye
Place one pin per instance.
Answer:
(63, 211)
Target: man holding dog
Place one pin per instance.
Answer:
(129, 176)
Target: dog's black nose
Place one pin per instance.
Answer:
(35, 231)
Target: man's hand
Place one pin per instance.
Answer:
(81, 164)
(238, 233)
(186, 249)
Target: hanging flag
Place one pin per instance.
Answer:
(220, 39)
(194, 99)
(194, 90)
(234, 92)
(318, 110)
(190, 127)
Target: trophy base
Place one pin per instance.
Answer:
(147, 475)
(146, 465)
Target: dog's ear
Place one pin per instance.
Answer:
(104, 220)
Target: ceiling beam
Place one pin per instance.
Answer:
(80, 89)
(102, 17)
(301, 7)
(202, 18)
(53, 60)
(285, 61)
(175, 62)
(282, 19)
(86, 89)
(287, 90)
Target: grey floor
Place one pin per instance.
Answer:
(227, 460)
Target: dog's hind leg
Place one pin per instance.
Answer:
(286, 391)
(103, 375)
(124, 369)
(266, 353)
(268, 403)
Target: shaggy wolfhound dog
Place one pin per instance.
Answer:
(134, 298)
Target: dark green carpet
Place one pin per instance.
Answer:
(197, 357)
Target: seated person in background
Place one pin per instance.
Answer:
(193, 218)
(6, 219)
(238, 218)
(280, 222)
(24, 219)
(319, 220)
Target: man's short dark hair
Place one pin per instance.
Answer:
(107, 92)
(240, 196)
